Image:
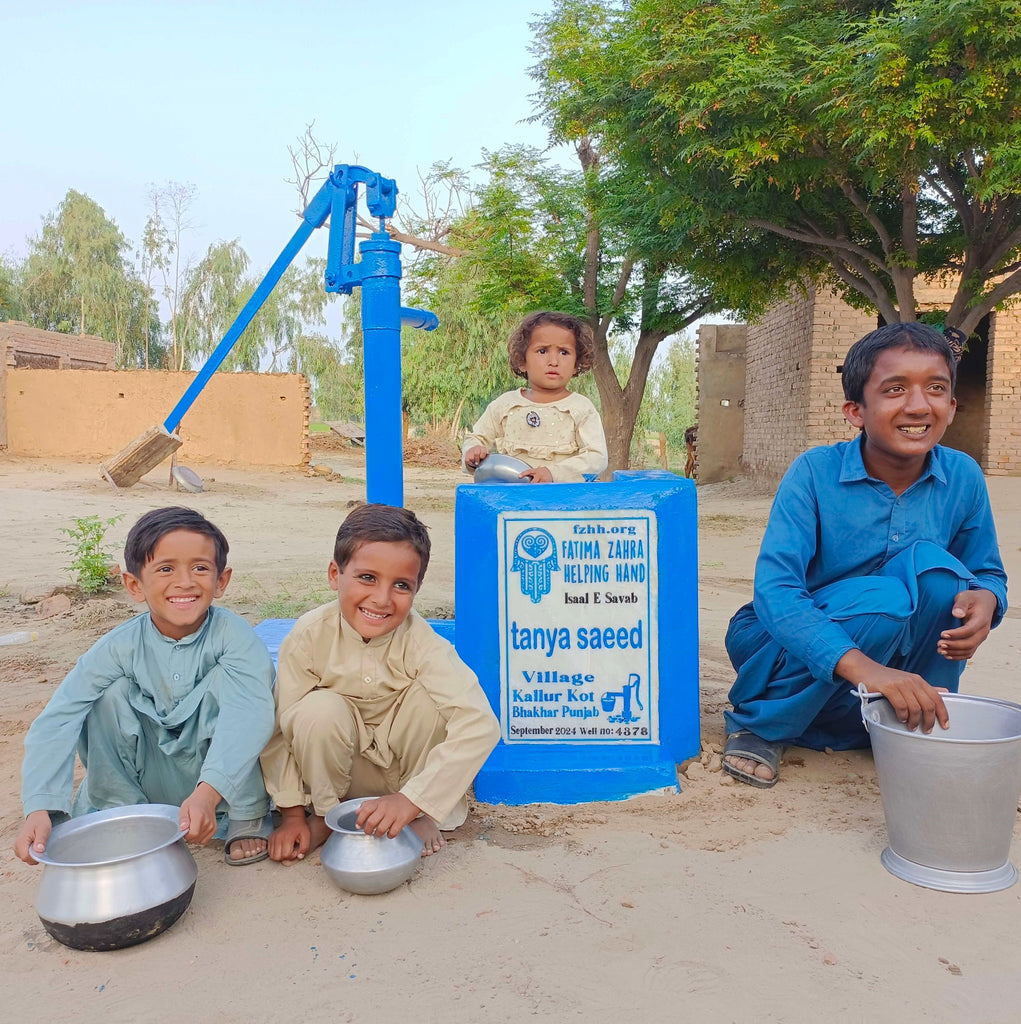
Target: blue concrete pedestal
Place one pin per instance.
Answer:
(564, 775)
(577, 609)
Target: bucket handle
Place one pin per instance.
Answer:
(865, 696)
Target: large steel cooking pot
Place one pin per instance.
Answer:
(115, 878)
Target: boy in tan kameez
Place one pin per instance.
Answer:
(370, 701)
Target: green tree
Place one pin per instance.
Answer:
(153, 257)
(670, 397)
(75, 268)
(280, 337)
(864, 145)
(539, 236)
(213, 294)
(497, 266)
(75, 279)
(10, 289)
(138, 332)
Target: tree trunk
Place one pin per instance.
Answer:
(619, 428)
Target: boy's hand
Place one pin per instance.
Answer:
(914, 701)
(33, 836)
(976, 608)
(539, 475)
(198, 814)
(474, 456)
(386, 815)
(291, 841)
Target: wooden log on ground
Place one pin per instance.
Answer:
(145, 453)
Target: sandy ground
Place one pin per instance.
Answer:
(723, 902)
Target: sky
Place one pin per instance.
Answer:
(113, 97)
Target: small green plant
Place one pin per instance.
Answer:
(90, 562)
(290, 606)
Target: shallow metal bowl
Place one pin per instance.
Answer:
(367, 864)
(501, 469)
(115, 878)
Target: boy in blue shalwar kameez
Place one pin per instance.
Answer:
(173, 706)
(879, 565)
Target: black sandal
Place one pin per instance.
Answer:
(755, 748)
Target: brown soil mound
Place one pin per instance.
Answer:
(433, 451)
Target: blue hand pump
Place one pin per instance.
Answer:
(379, 274)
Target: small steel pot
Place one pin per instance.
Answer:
(496, 468)
(367, 864)
(115, 878)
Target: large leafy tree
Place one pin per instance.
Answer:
(865, 144)
(76, 279)
(631, 269)
(539, 236)
(534, 235)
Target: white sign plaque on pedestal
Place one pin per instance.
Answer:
(578, 626)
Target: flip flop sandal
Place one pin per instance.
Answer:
(755, 748)
(246, 828)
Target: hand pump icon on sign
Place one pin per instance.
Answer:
(609, 700)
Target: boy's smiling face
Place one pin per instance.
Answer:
(377, 586)
(906, 409)
(179, 582)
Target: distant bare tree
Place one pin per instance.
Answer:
(168, 223)
(444, 191)
(312, 161)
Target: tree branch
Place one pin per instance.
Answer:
(424, 243)
(822, 241)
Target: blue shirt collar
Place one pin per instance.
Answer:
(853, 467)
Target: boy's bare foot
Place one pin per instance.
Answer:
(297, 836)
(319, 830)
(428, 831)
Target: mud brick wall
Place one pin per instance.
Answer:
(836, 326)
(239, 419)
(1002, 455)
(30, 346)
(776, 389)
(793, 395)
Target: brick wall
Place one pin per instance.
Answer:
(794, 395)
(30, 346)
(776, 386)
(1002, 455)
(836, 326)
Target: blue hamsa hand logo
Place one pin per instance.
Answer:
(535, 558)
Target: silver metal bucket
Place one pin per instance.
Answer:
(950, 797)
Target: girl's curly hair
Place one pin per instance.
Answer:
(517, 343)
